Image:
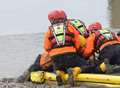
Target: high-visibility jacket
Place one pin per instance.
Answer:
(94, 44)
(76, 41)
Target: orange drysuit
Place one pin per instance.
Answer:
(90, 45)
(77, 40)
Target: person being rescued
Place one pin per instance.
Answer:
(62, 42)
(43, 62)
(106, 44)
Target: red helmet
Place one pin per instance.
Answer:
(55, 15)
(94, 26)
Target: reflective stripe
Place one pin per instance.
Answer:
(107, 34)
(60, 39)
(67, 44)
(76, 22)
(103, 36)
(79, 26)
(59, 29)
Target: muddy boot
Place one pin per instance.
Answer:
(24, 77)
(105, 67)
(70, 77)
(59, 78)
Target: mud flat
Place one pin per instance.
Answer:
(10, 83)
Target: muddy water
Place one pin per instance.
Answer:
(9, 83)
(17, 52)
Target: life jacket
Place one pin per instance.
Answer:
(80, 27)
(103, 36)
(61, 36)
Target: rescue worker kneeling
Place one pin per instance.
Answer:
(106, 44)
(62, 42)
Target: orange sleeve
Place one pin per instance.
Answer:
(78, 40)
(47, 42)
(45, 58)
(88, 51)
(76, 35)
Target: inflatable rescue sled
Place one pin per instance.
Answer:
(83, 77)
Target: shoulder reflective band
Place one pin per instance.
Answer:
(79, 26)
(107, 34)
(76, 23)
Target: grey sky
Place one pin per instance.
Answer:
(30, 16)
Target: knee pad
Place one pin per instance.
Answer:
(76, 70)
(103, 67)
(38, 77)
(61, 74)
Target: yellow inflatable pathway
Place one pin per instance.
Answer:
(95, 78)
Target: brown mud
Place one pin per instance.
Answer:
(11, 83)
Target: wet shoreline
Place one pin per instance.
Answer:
(10, 83)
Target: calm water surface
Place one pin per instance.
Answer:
(17, 52)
